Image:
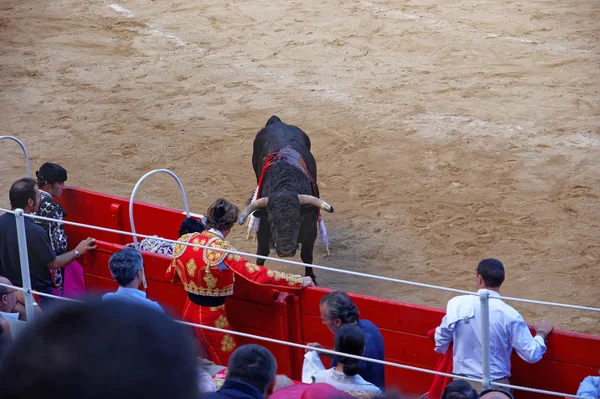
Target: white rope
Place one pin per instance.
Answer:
(291, 262)
(333, 352)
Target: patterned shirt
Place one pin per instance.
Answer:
(56, 232)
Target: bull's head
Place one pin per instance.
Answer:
(285, 211)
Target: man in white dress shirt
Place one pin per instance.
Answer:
(508, 330)
(126, 268)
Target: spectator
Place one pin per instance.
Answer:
(589, 388)
(508, 330)
(51, 182)
(4, 333)
(495, 394)
(96, 350)
(250, 374)
(126, 267)
(25, 194)
(459, 389)
(337, 309)
(349, 339)
(8, 300)
(310, 391)
(5, 337)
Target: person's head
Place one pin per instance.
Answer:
(254, 365)
(190, 225)
(222, 215)
(24, 194)
(495, 394)
(282, 381)
(317, 390)
(459, 389)
(126, 267)
(51, 178)
(337, 309)
(350, 339)
(8, 296)
(98, 350)
(490, 274)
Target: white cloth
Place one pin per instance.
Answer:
(132, 295)
(14, 316)
(311, 366)
(343, 382)
(462, 324)
(205, 381)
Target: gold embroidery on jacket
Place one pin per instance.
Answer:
(212, 257)
(252, 268)
(179, 249)
(227, 343)
(221, 322)
(191, 267)
(211, 281)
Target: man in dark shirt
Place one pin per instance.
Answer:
(250, 374)
(338, 309)
(25, 194)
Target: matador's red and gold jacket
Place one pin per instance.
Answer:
(199, 270)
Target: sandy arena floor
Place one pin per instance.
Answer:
(444, 132)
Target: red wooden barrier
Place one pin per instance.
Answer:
(263, 311)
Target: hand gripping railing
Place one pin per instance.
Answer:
(24, 151)
(137, 185)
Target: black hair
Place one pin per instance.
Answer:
(50, 173)
(222, 215)
(254, 365)
(95, 350)
(191, 225)
(459, 389)
(340, 306)
(492, 272)
(21, 192)
(350, 339)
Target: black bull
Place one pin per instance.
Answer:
(288, 202)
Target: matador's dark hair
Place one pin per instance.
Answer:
(221, 215)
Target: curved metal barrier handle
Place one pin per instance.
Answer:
(24, 151)
(137, 185)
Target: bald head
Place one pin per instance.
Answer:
(495, 395)
(8, 296)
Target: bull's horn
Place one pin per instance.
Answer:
(319, 203)
(254, 205)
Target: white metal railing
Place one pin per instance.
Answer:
(333, 352)
(24, 151)
(319, 267)
(131, 202)
(483, 295)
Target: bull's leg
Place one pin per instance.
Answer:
(263, 248)
(307, 257)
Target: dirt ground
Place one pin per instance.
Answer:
(444, 132)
